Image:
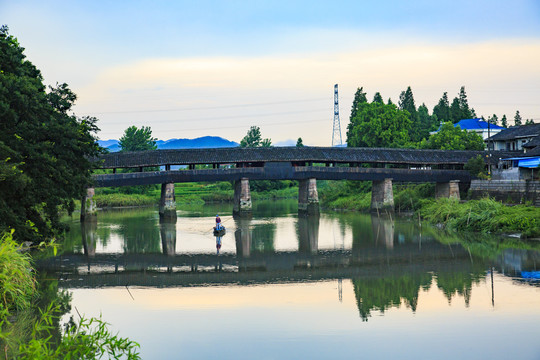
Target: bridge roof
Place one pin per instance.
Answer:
(287, 154)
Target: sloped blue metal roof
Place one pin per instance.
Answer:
(476, 124)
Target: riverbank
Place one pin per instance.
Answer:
(188, 193)
(484, 215)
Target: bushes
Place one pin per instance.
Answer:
(118, 200)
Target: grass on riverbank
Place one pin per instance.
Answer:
(30, 331)
(187, 193)
(484, 215)
(356, 196)
(119, 200)
(17, 283)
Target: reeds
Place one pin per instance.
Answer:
(484, 215)
(17, 282)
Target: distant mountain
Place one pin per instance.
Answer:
(202, 142)
(285, 143)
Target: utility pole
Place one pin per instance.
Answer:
(336, 133)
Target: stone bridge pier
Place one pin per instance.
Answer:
(167, 203)
(382, 196)
(88, 206)
(308, 197)
(242, 197)
(447, 190)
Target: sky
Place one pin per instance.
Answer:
(195, 68)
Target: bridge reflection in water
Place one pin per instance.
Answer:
(389, 262)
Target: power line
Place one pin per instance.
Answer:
(218, 118)
(265, 125)
(209, 107)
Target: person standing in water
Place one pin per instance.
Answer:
(218, 223)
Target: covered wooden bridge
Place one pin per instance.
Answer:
(305, 164)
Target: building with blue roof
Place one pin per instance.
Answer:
(479, 126)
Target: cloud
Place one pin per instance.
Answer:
(498, 76)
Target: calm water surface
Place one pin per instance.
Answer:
(290, 287)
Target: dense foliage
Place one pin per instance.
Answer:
(451, 137)
(378, 125)
(44, 150)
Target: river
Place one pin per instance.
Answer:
(338, 285)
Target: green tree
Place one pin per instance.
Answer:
(377, 98)
(266, 143)
(253, 139)
(476, 166)
(455, 111)
(44, 151)
(406, 103)
(299, 142)
(451, 137)
(135, 139)
(466, 112)
(504, 122)
(517, 119)
(379, 125)
(442, 109)
(493, 119)
(426, 123)
(529, 122)
(359, 99)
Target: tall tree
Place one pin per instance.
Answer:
(426, 123)
(466, 113)
(299, 142)
(455, 111)
(406, 103)
(442, 109)
(377, 98)
(504, 122)
(517, 119)
(493, 119)
(359, 99)
(379, 125)
(44, 151)
(253, 138)
(135, 139)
